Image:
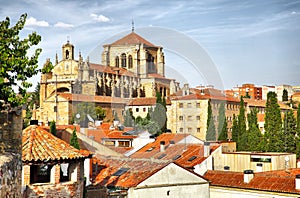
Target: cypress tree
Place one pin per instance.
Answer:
(242, 131)
(289, 131)
(235, 130)
(211, 130)
(128, 119)
(273, 125)
(74, 141)
(53, 128)
(285, 96)
(254, 134)
(159, 114)
(222, 123)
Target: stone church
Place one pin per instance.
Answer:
(131, 67)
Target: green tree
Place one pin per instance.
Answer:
(100, 113)
(285, 96)
(84, 109)
(222, 123)
(242, 131)
(298, 120)
(289, 132)
(159, 115)
(53, 128)
(74, 140)
(16, 67)
(33, 101)
(254, 134)
(211, 129)
(235, 130)
(273, 125)
(128, 119)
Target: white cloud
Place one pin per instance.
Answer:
(31, 21)
(100, 18)
(63, 25)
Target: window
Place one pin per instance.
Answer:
(180, 105)
(120, 172)
(189, 130)
(181, 130)
(40, 174)
(129, 61)
(117, 61)
(124, 143)
(176, 157)
(64, 175)
(150, 63)
(144, 109)
(181, 118)
(198, 130)
(190, 118)
(137, 109)
(161, 156)
(192, 158)
(197, 117)
(189, 105)
(123, 60)
(198, 105)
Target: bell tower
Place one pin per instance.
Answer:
(68, 51)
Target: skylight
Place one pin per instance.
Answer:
(192, 158)
(120, 172)
(176, 157)
(161, 156)
(150, 149)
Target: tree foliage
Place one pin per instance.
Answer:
(16, 65)
(273, 125)
(242, 131)
(33, 101)
(285, 96)
(211, 129)
(289, 132)
(53, 128)
(100, 113)
(222, 123)
(128, 119)
(74, 140)
(159, 114)
(84, 109)
(254, 134)
(235, 130)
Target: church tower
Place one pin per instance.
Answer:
(68, 51)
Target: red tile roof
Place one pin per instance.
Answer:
(275, 181)
(199, 96)
(137, 170)
(89, 98)
(38, 145)
(149, 101)
(184, 152)
(131, 39)
(262, 103)
(111, 70)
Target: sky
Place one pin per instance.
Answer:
(221, 42)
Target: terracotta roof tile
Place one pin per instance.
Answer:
(135, 171)
(274, 181)
(89, 98)
(38, 145)
(133, 38)
(149, 101)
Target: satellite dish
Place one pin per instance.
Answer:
(77, 115)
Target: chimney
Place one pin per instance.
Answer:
(206, 149)
(162, 146)
(172, 142)
(259, 167)
(226, 168)
(297, 182)
(248, 175)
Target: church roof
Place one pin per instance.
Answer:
(133, 38)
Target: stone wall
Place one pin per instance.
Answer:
(10, 153)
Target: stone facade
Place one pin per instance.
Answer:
(130, 69)
(10, 153)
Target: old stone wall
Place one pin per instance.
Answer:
(10, 153)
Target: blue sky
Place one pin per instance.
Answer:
(248, 41)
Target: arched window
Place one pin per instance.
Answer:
(123, 60)
(150, 63)
(129, 61)
(67, 54)
(117, 61)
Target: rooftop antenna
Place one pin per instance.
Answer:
(132, 25)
